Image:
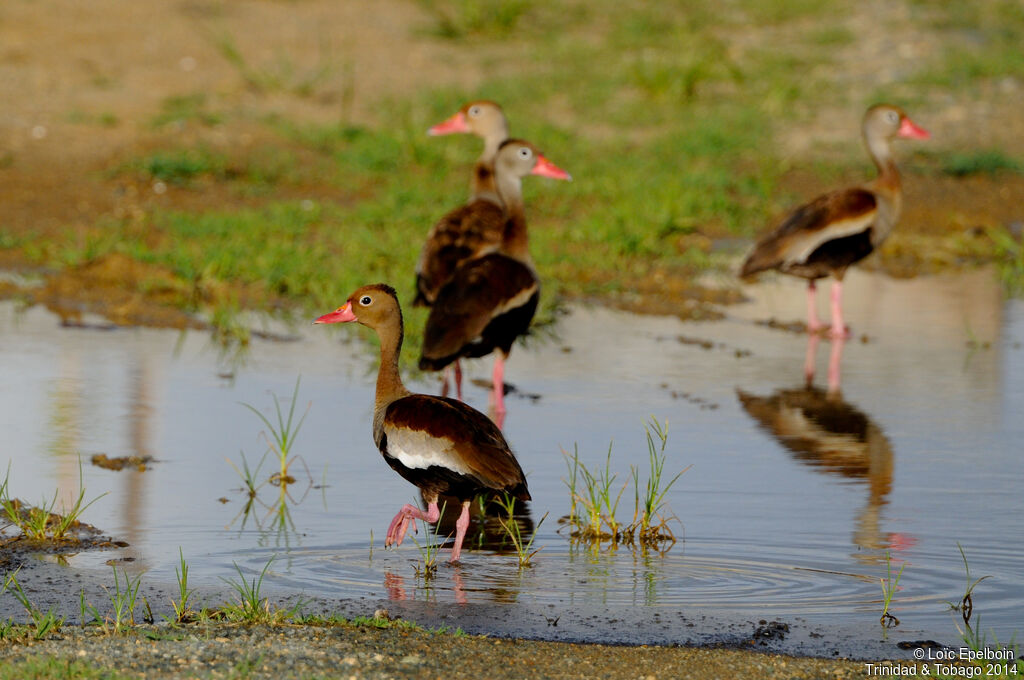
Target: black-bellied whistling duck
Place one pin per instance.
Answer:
(490, 300)
(441, 445)
(834, 231)
(473, 229)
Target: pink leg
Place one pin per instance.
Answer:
(400, 524)
(838, 327)
(444, 382)
(834, 359)
(458, 380)
(809, 358)
(498, 383)
(813, 323)
(461, 525)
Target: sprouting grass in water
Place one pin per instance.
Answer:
(597, 497)
(429, 549)
(649, 526)
(282, 434)
(890, 585)
(594, 497)
(510, 526)
(966, 604)
(42, 523)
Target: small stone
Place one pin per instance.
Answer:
(410, 659)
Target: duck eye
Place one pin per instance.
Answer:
(893, 117)
(365, 300)
(474, 111)
(524, 152)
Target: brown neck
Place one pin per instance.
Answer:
(484, 184)
(514, 241)
(389, 381)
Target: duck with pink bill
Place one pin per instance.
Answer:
(490, 301)
(440, 445)
(830, 233)
(474, 228)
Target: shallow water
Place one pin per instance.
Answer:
(780, 516)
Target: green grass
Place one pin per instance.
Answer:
(252, 608)
(40, 522)
(429, 549)
(523, 545)
(281, 438)
(983, 42)
(649, 525)
(594, 498)
(42, 623)
(123, 601)
(667, 114)
(45, 667)
(986, 161)
(890, 584)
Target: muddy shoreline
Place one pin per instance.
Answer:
(52, 584)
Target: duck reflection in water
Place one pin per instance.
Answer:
(398, 591)
(821, 429)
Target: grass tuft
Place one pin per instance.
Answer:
(890, 585)
(594, 498)
(42, 523)
(429, 549)
(282, 436)
(510, 525)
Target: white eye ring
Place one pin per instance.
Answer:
(893, 117)
(365, 300)
(474, 111)
(524, 152)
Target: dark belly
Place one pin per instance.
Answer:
(833, 257)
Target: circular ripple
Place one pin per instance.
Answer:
(709, 575)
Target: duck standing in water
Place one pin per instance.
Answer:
(490, 300)
(827, 235)
(475, 228)
(441, 445)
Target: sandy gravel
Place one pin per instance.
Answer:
(356, 652)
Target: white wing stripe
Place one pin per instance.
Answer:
(839, 229)
(418, 450)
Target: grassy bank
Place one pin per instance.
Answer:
(681, 124)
